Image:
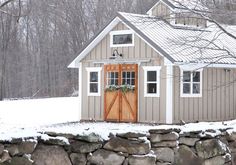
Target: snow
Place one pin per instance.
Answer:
(38, 112)
(34, 118)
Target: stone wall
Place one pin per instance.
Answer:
(158, 147)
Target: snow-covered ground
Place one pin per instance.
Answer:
(38, 112)
(31, 118)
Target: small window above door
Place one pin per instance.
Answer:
(122, 38)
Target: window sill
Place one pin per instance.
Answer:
(151, 95)
(191, 95)
(121, 45)
(94, 95)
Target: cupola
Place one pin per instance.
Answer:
(180, 12)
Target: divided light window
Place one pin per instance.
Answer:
(94, 77)
(151, 81)
(191, 85)
(122, 38)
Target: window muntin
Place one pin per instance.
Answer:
(93, 83)
(128, 78)
(122, 38)
(112, 78)
(191, 84)
(94, 77)
(151, 81)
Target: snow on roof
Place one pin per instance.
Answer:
(185, 44)
(183, 4)
(190, 4)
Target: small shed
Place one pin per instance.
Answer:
(161, 67)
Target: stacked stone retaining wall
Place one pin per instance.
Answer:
(158, 147)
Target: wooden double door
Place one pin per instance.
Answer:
(121, 92)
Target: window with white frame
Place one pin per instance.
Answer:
(94, 78)
(122, 38)
(191, 84)
(151, 81)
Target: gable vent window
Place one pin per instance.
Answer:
(122, 38)
(191, 84)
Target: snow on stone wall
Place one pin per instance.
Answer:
(157, 147)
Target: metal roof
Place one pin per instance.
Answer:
(185, 44)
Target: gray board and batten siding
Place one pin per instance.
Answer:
(218, 97)
(150, 109)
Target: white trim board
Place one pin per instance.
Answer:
(158, 81)
(98, 70)
(169, 94)
(120, 32)
(80, 89)
(197, 66)
(191, 95)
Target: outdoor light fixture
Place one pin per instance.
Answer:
(227, 70)
(116, 54)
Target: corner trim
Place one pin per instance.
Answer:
(169, 94)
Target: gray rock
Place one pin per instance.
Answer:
(188, 141)
(54, 134)
(60, 141)
(210, 148)
(218, 160)
(13, 149)
(126, 162)
(25, 147)
(105, 157)
(84, 147)
(232, 147)
(171, 144)
(185, 156)
(233, 158)
(164, 131)
(172, 136)
(164, 154)
(19, 161)
(50, 155)
(163, 163)
(132, 147)
(92, 138)
(231, 136)
(4, 156)
(1, 149)
(142, 160)
(192, 134)
(78, 159)
(129, 135)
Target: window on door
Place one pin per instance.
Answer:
(128, 78)
(191, 84)
(94, 77)
(112, 78)
(152, 81)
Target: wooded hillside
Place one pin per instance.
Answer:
(39, 38)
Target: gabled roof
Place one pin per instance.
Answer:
(177, 44)
(182, 4)
(186, 45)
